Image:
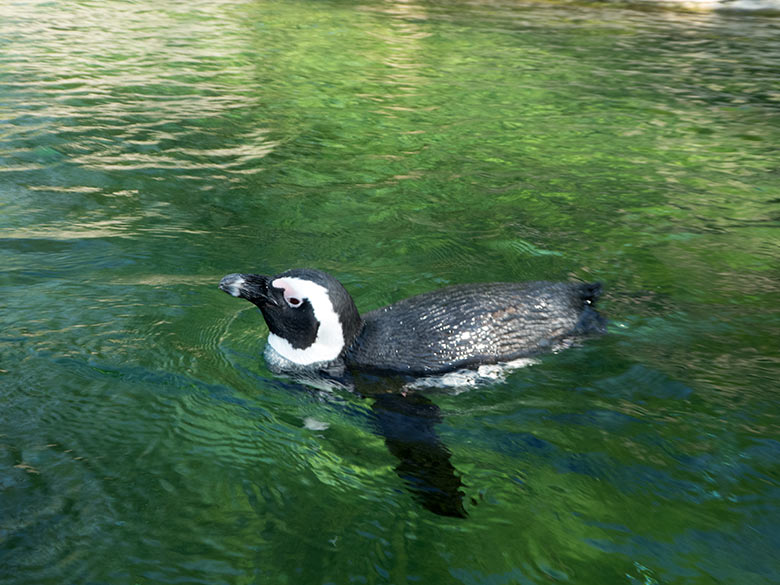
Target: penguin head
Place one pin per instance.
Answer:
(310, 315)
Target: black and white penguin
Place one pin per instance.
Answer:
(315, 324)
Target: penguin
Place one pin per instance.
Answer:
(314, 324)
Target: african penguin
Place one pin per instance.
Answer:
(314, 323)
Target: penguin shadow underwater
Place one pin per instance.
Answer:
(406, 420)
(407, 423)
(318, 338)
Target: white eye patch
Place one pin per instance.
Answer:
(293, 293)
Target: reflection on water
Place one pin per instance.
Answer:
(149, 148)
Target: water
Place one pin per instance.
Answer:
(149, 148)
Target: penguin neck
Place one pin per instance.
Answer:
(350, 320)
(352, 330)
(324, 352)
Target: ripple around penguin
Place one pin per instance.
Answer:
(462, 334)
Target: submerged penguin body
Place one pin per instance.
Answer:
(314, 322)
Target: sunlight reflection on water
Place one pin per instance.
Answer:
(150, 148)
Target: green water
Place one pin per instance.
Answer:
(149, 148)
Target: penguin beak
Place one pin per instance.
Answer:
(252, 287)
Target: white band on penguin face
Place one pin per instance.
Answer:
(330, 335)
(292, 294)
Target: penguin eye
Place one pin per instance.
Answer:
(294, 302)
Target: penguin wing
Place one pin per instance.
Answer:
(467, 325)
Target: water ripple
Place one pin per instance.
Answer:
(150, 148)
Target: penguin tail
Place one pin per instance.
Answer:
(590, 292)
(590, 321)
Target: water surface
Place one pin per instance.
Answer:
(149, 148)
